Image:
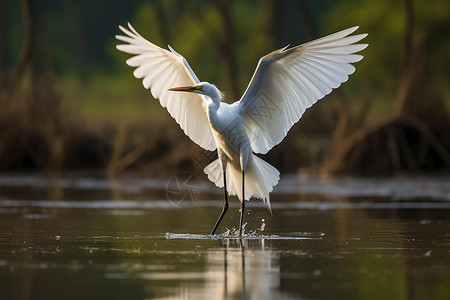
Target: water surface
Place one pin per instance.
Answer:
(140, 238)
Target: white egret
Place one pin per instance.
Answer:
(286, 82)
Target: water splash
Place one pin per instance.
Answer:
(189, 236)
(263, 225)
(233, 234)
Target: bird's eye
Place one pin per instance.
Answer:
(199, 87)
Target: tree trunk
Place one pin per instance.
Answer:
(307, 20)
(25, 50)
(78, 38)
(226, 45)
(4, 51)
(164, 31)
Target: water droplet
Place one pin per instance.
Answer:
(263, 225)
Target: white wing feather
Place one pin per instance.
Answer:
(160, 70)
(287, 82)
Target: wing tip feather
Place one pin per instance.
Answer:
(137, 45)
(353, 28)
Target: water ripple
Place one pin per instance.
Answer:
(231, 235)
(7, 205)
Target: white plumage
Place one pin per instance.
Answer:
(161, 69)
(286, 82)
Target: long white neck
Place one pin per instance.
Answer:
(213, 106)
(215, 96)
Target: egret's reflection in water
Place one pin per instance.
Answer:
(236, 269)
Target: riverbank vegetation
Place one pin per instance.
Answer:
(69, 102)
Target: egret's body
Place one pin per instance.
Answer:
(286, 82)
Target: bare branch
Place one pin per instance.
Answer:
(25, 51)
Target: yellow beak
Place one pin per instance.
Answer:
(183, 89)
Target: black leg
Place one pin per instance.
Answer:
(225, 204)
(242, 206)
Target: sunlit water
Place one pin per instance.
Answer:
(140, 238)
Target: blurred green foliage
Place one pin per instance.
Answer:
(386, 23)
(80, 38)
(93, 81)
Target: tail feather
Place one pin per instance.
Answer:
(260, 178)
(214, 172)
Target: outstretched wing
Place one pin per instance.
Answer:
(160, 70)
(288, 81)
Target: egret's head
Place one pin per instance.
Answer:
(203, 88)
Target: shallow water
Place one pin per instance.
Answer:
(339, 238)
